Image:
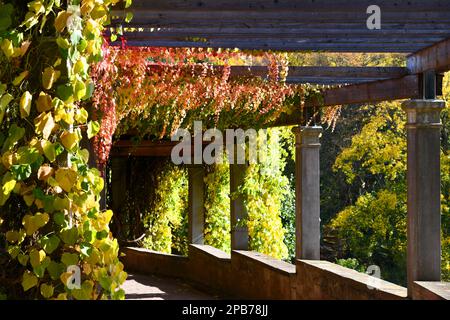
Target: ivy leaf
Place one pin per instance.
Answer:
(4, 101)
(69, 235)
(44, 124)
(93, 129)
(55, 270)
(44, 102)
(64, 92)
(69, 259)
(15, 133)
(29, 280)
(49, 150)
(23, 259)
(128, 17)
(66, 178)
(70, 140)
(36, 257)
(47, 290)
(61, 20)
(49, 77)
(33, 223)
(18, 80)
(45, 172)
(25, 104)
(21, 171)
(49, 244)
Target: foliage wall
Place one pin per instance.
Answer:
(373, 228)
(49, 201)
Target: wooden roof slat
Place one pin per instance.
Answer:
(283, 45)
(300, 5)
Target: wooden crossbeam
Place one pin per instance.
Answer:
(384, 90)
(435, 57)
(326, 75)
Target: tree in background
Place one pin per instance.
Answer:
(373, 228)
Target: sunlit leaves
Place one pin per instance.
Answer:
(29, 280)
(44, 124)
(33, 223)
(25, 104)
(66, 178)
(50, 201)
(44, 102)
(49, 76)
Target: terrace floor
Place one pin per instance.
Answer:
(150, 287)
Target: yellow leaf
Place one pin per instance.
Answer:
(49, 77)
(47, 290)
(36, 257)
(44, 124)
(25, 104)
(33, 223)
(61, 20)
(79, 90)
(8, 48)
(44, 102)
(12, 236)
(36, 6)
(69, 139)
(49, 150)
(81, 115)
(29, 280)
(29, 199)
(18, 80)
(66, 178)
(62, 296)
(45, 172)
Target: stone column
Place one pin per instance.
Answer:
(196, 218)
(307, 192)
(239, 233)
(424, 189)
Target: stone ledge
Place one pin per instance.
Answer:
(357, 280)
(147, 251)
(266, 261)
(211, 251)
(431, 290)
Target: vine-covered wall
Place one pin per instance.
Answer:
(50, 218)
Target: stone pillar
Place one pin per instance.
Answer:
(196, 218)
(424, 189)
(307, 192)
(239, 233)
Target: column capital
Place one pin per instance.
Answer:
(423, 113)
(307, 136)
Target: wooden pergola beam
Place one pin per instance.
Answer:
(384, 90)
(435, 57)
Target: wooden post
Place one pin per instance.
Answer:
(424, 190)
(307, 192)
(239, 233)
(196, 218)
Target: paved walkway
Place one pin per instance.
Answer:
(150, 287)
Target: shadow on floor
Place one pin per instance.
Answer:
(150, 287)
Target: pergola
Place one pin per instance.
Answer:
(420, 28)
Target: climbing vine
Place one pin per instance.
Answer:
(217, 207)
(50, 217)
